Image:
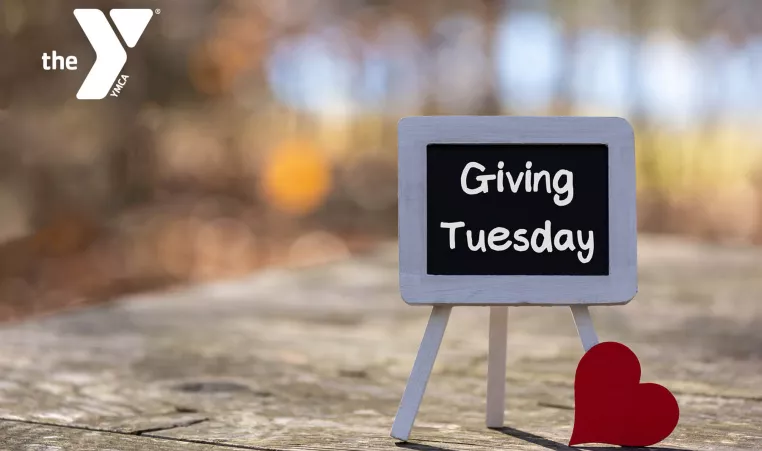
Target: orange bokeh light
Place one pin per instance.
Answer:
(296, 178)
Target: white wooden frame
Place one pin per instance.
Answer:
(419, 288)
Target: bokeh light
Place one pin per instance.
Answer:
(296, 178)
(254, 133)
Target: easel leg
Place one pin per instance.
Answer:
(419, 376)
(498, 335)
(584, 325)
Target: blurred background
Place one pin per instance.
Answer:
(257, 133)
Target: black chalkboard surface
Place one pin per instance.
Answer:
(517, 209)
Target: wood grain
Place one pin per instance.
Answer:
(318, 359)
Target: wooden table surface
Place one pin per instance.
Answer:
(317, 359)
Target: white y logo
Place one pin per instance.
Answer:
(110, 57)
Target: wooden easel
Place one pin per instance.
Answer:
(498, 333)
(429, 145)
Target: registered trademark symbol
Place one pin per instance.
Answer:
(158, 11)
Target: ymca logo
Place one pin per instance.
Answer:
(110, 56)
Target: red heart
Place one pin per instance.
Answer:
(611, 406)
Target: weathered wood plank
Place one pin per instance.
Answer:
(318, 359)
(35, 437)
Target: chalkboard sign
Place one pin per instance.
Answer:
(517, 210)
